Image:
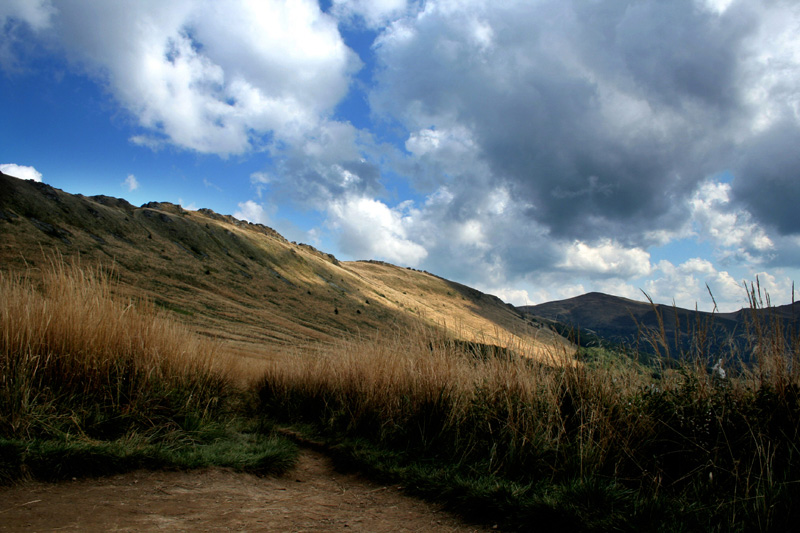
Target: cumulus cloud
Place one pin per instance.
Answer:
(482, 241)
(21, 171)
(334, 160)
(771, 66)
(373, 13)
(252, 211)
(212, 77)
(131, 183)
(687, 284)
(517, 297)
(547, 142)
(602, 118)
(729, 226)
(368, 228)
(601, 124)
(17, 16)
(607, 257)
(777, 287)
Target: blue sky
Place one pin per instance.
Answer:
(533, 149)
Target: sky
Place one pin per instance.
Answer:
(536, 149)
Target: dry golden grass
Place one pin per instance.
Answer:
(75, 313)
(67, 341)
(681, 447)
(463, 312)
(388, 379)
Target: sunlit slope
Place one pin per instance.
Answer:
(468, 313)
(242, 283)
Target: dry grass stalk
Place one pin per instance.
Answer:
(66, 336)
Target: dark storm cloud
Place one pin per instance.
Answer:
(601, 117)
(676, 52)
(768, 177)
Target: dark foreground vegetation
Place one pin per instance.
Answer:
(601, 444)
(92, 385)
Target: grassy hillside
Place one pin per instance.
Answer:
(238, 282)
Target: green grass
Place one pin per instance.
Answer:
(543, 505)
(66, 458)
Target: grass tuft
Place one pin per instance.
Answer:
(90, 385)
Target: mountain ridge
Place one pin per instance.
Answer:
(240, 282)
(599, 316)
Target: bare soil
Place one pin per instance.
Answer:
(311, 497)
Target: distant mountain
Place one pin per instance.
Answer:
(239, 282)
(595, 318)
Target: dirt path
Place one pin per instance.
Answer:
(312, 497)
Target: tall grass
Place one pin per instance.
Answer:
(80, 367)
(74, 359)
(595, 444)
(585, 446)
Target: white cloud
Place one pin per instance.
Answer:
(688, 283)
(15, 16)
(774, 287)
(21, 171)
(209, 76)
(618, 287)
(552, 287)
(697, 265)
(509, 295)
(454, 148)
(600, 123)
(604, 119)
(369, 229)
(424, 141)
(260, 180)
(131, 183)
(252, 212)
(607, 257)
(37, 13)
(715, 6)
(260, 177)
(191, 206)
(374, 13)
(470, 233)
(331, 142)
(726, 289)
(727, 226)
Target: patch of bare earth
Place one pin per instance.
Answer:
(311, 497)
